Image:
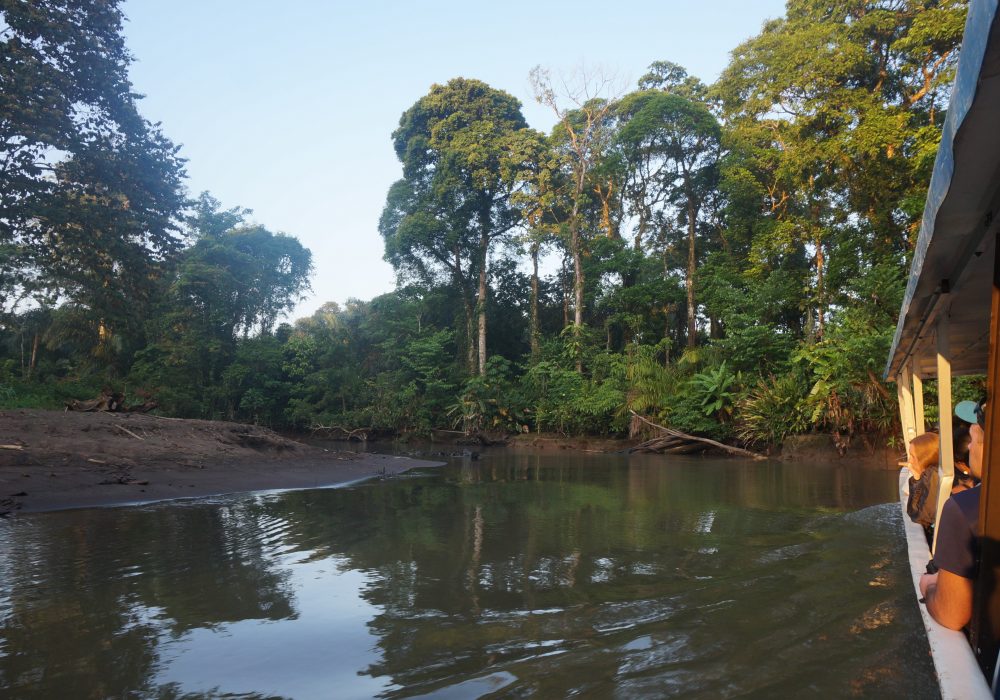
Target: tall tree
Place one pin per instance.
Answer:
(673, 78)
(844, 99)
(672, 146)
(466, 150)
(544, 209)
(90, 191)
(583, 134)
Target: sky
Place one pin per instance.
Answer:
(287, 108)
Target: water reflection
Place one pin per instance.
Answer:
(511, 576)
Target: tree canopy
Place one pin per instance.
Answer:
(728, 259)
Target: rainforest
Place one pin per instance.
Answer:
(728, 259)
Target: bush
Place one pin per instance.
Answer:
(490, 402)
(561, 400)
(773, 410)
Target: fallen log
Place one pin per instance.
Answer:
(660, 443)
(661, 446)
(331, 432)
(685, 449)
(692, 438)
(108, 401)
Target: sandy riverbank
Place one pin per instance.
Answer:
(52, 460)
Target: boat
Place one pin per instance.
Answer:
(948, 326)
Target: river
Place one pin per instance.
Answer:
(516, 575)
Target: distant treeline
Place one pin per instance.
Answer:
(728, 258)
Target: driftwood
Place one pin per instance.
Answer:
(675, 442)
(338, 432)
(109, 402)
(122, 427)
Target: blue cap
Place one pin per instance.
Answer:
(966, 410)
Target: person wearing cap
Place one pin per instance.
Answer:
(922, 454)
(948, 593)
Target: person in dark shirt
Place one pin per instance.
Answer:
(948, 593)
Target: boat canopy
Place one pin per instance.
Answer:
(951, 275)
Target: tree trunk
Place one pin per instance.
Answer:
(640, 230)
(715, 328)
(564, 284)
(470, 334)
(577, 281)
(470, 349)
(574, 223)
(692, 339)
(610, 228)
(484, 245)
(666, 346)
(34, 356)
(535, 346)
(577, 292)
(820, 300)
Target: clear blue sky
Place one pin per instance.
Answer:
(287, 108)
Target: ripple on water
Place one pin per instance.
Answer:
(690, 578)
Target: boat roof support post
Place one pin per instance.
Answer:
(902, 411)
(905, 384)
(946, 449)
(919, 424)
(985, 626)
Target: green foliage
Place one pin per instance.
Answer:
(846, 395)
(51, 393)
(963, 388)
(716, 390)
(774, 409)
(651, 382)
(465, 150)
(90, 192)
(562, 400)
(760, 226)
(490, 402)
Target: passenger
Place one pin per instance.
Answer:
(948, 593)
(923, 465)
(965, 412)
(963, 474)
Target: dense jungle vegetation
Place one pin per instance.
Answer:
(728, 259)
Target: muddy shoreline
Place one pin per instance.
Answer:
(52, 460)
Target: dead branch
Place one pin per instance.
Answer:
(122, 427)
(684, 436)
(348, 434)
(107, 402)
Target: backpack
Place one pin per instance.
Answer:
(921, 506)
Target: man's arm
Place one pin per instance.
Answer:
(948, 597)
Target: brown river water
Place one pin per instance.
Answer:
(511, 576)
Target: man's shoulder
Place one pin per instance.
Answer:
(968, 502)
